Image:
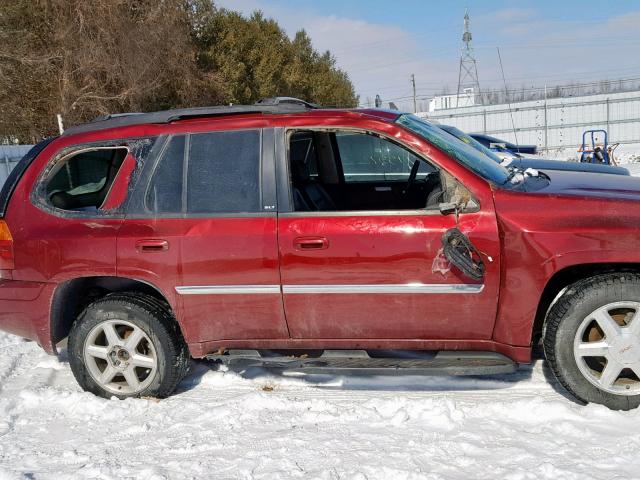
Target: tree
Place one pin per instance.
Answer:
(84, 59)
(257, 59)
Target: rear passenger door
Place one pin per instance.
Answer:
(202, 228)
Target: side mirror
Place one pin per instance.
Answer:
(448, 208)
(459, 250)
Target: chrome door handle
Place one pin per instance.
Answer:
(152, 245)
(311, 243)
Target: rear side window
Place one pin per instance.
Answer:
(222, 174)
(165, 190)
(82, 181)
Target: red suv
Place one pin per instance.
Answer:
(317, 240)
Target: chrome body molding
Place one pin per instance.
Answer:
(401, 288)
(227, 289)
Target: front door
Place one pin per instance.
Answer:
(353, 269)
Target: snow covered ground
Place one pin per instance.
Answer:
(225, 425)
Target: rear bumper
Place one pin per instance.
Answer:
(25, 310)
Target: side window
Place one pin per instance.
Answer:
(368, 158)
(224, 172)
(82, 181)
(164, 194)
(352, 171)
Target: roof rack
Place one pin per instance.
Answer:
(286, 101)
(273, 105)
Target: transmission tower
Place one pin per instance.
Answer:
(468, 73)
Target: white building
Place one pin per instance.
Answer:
(444, 102)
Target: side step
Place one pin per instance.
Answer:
(360, 362)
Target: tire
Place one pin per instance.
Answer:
(591, 331)
(127, 345)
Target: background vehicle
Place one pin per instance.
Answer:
(489, 141)
(317, 240)
(515, 160)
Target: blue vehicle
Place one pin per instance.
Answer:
(493, 142)
(536, 163)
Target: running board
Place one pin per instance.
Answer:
(359, 362)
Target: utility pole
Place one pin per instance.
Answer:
(60, 125)
(546, 125)
(413, 82)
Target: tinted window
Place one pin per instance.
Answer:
(82, 181)
(224, 172)
(367, 158)
(165, 190)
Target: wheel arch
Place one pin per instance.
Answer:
(567, 276)
(72, 296)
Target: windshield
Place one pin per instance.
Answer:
(468, 156)
(469, 140)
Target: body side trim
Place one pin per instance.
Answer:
(409, 288)
(227, 289)
(385, 288)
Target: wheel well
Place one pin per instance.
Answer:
(567, 276)
(74, 295)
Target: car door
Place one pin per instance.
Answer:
(380, 274)
(203, 231)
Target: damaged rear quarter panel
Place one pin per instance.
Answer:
(52, 245)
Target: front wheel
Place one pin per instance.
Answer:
(127, 345)
(592, 340)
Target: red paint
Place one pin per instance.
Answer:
(529, 237)
(120, 188)
(201, 251)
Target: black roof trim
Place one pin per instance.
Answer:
(168, 116)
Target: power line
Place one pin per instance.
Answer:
(423, 95)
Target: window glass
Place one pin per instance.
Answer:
(367, 158)
(468, 156)
(224, 172)
(82, 181)
(165, 190)
(303, 150)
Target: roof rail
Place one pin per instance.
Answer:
(277, 106)
(286, 101)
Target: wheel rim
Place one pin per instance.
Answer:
(607, 348)
(120, 357)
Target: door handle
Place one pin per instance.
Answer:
(311, 243)
(152, 245)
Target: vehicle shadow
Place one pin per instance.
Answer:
(396, 382)
(271, 376)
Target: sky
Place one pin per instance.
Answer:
(381, 43)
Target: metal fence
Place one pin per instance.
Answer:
(551, 124)
(10, 155)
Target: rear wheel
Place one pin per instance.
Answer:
(127, 345)
(592, 340)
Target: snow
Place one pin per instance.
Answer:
(263, 425)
